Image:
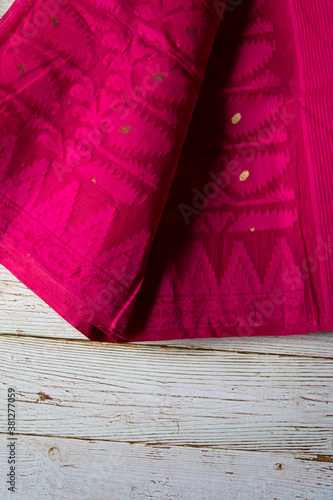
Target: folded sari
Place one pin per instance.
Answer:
(165, 166)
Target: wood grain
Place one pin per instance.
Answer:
(244, 418)
(170, 396)
(58, 468)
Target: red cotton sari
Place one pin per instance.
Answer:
(166, 166)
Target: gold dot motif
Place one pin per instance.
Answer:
(21, 68)
(158, 77)
(191, 30)
(236, 118)
(244, 175)
(94, 180)
(125, 129)
(252, 229)
(54, 21)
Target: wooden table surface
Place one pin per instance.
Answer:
(215, 419)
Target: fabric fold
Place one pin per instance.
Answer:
(165, 166)
(96, 101)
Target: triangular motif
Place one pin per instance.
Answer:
(89, 235)
(125, 260)
(240, 276)
(7, 145)
(252, 56)
(200, 275)
(24, 187)
(265, 168)
(55, 212)
(256, 111)
(269, 219)
(282, 269)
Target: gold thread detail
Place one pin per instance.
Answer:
(236, 118)
(158, 77)
(54, 21)
(244, 175)
(21, 68)
(191, 30)
(125, 129)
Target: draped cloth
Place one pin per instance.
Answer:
(166, 165)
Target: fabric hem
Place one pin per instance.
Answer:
(24, 271)
(232, 332)
(12, 17)
(45, 288)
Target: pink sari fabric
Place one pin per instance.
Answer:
(165, 167)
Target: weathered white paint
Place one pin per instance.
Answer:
(167, 395)
(72, 469)
(149, 394)
(248, 402)
(4, 6)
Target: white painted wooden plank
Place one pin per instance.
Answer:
(71, 469)
(317, 344)
(23, 313)
(153, 395)
(4, 6)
